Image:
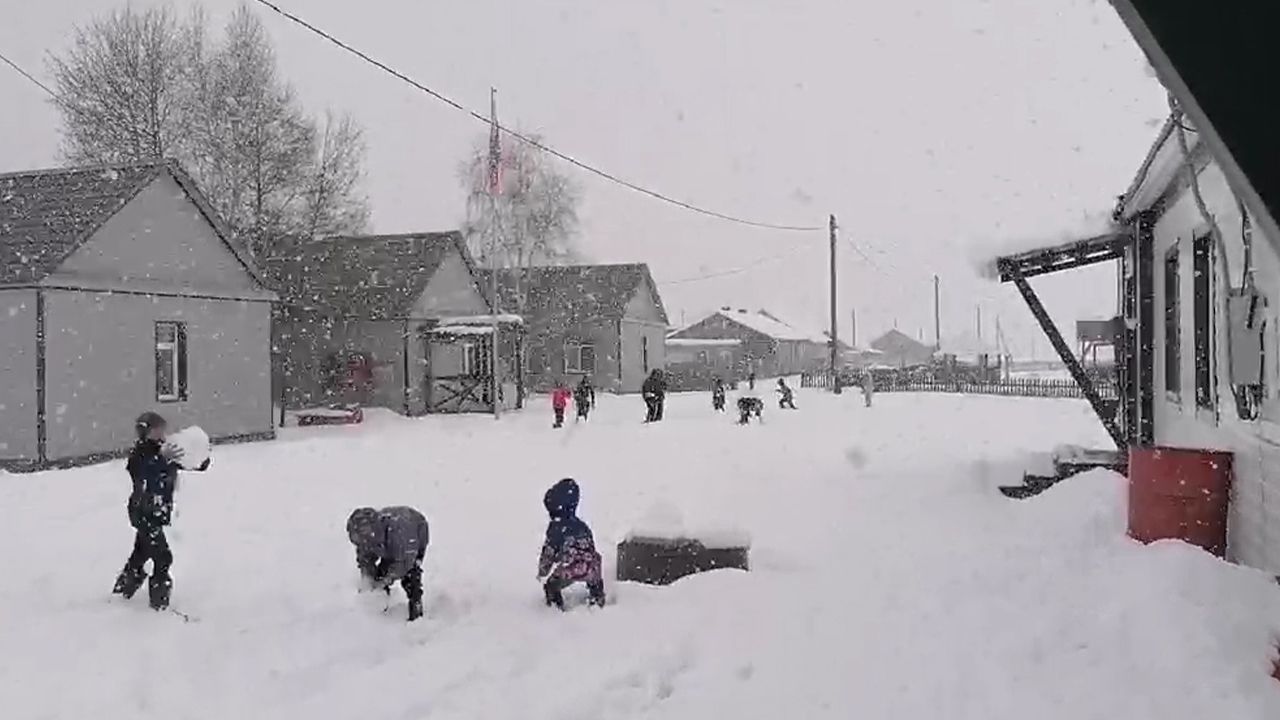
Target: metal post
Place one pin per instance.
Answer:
(835, 350)
(937, 315)
(493, 271)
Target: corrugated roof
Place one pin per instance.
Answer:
(374, 277)
(564, 295)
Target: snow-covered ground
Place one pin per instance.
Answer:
(889, 579)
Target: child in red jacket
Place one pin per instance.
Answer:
(559, 401)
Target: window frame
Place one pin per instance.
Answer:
(573, 357)
(1204, 345)
(176, 362)
(1172, 274)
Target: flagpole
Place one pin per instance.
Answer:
(494, 268)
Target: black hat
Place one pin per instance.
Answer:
(146, 422)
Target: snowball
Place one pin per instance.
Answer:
(194, 443)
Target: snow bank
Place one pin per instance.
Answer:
(899, 588)
(663, 520)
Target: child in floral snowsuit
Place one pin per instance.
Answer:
(569, 551)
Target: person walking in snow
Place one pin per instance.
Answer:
(717, 394)
(748, 406)
(654, 391)
(868, 387)
(559, 402)
(391, 544)
(751, 380)
(153, 467)
(786, 399)
(584, 398)
(569, 550)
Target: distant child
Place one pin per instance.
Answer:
(584, 397)
(569, 551)
(748, 406)
(868, 387)
(559, 401)
(786, 401)
(717, 394)
(390, 546)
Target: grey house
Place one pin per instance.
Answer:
(606, 322)
(395, 321)
(120, 292)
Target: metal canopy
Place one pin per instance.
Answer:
(1074, 254)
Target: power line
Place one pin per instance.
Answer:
(734, 271)
(529, 140)
(28, 75)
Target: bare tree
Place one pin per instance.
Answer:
(332, 202)
(532, 221)
(140, 85)
(122, 88)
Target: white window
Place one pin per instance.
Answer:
(171, 361)
(473, 359)
(579, 358)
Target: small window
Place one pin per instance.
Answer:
(702, 357)
(1172, 325)
(1202, 265)
(470, 359)
(580, 358)
(171, 361)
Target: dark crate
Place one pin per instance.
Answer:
(662, 561)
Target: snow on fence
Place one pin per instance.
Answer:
(1014, 387)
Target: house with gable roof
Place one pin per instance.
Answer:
(769, 345)
(395, 321)
(121, 291)
(605, 322)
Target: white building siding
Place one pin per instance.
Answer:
(101, 368)
(18, 435)
(1254, 526)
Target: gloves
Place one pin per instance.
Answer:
(172, 453)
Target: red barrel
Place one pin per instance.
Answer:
(1179, 494)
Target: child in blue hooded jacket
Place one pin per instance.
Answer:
(569, 551)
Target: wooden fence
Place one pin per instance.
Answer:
(1016, 387)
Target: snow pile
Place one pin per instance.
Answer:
(895, 587)
(663, 520)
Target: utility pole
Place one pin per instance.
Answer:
(853, 327)
(979, 310)
(835, 350)
(937, 315)
(495, 188)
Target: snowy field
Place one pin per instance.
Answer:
(889, 579)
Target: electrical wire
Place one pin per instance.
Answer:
(27, 75)
(529, 140)
(734, 271)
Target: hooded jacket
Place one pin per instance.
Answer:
(569, 548)
(389, 542)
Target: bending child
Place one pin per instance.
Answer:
(569, 551)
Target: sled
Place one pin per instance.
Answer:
(1067, 462)
(332, 415)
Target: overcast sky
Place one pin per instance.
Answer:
(933, 129)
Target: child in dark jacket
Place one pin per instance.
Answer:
(569, 551)
(584, 396)
(391, 544)
(559, 402)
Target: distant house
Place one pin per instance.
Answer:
(693, 363)
(769, 346)
(606, 322)
(120, 291)
(898, 349)
(397, 321)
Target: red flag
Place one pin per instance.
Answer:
(495, 147)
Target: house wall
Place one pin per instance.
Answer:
(18, 409)
(545, 354)
(452, 290)
(759, 352)
(100, 368)
(158, 241)
(307, 340)
(643, 335)
(1254, 526)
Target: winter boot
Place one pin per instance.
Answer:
(159, 589)
(554, 597)
(597, 593)
(415, 610)
(128, 582)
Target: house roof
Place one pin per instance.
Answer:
(766, 323)
(376, 277)
(896, 341)
(566, 294)
(46, 215)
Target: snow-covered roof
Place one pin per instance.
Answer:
(696, 342)
(463, 330)
(769, 324)
(482, 319)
